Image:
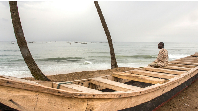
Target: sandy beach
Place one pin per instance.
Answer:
(186, 100)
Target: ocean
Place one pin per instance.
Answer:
(61, 57)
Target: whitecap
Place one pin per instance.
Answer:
(176, 56)
(87, 62)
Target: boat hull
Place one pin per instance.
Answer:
(25, 100)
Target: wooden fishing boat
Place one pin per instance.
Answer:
(133, 89)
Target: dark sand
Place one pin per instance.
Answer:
(187, 100)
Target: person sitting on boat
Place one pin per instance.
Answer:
(162, 59)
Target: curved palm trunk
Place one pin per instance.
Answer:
(112, 53)
(35, 71)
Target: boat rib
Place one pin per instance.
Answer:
(153, 74)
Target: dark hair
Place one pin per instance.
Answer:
(161, 45)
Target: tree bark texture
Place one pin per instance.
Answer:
(112, 53)
(35, 71)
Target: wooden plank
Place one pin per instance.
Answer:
(140, 78)
(193, 61)
(182, 61)
(182, 65)
(46, 83)
(189, 63)
(163, 70)
(113, 85)
(154, 74)
(80, 88)
(33, 87)
(195, 64)
(62, 87)
(177, 68)
(189, 59)
(175, 62)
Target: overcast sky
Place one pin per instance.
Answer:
(130, 21)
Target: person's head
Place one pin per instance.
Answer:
(160, 45)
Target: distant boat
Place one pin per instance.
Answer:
(30, 42)
(103, 42)
(75, 42)
(12, 42)
(83, 43)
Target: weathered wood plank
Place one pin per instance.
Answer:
(182, 65)
(113, 85)
(189, 63)
(63, 87)
(163, 70)
(46, 83)
(186, 59)
(175, 62)
(154, 74)
(33, 87)
(140, 78)
(191, 58)
(192, 61)
(195, 64)
(78, 88)
(177, 68)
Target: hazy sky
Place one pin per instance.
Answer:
(130, 21)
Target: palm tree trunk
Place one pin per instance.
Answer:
(112, 53)
(35, 71)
